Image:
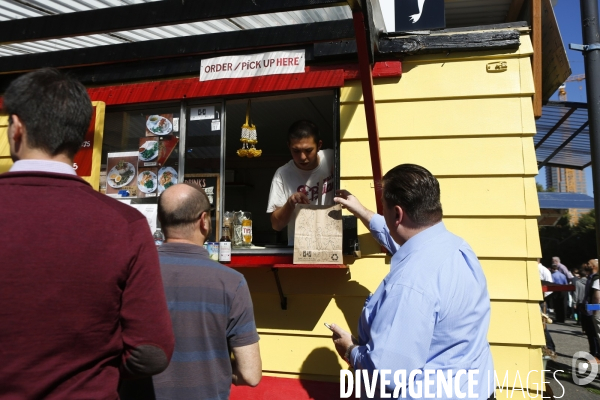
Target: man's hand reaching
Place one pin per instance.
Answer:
(352, 204)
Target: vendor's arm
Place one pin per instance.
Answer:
(281, 217)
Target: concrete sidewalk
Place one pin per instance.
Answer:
(569, 339)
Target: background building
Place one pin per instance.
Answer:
(567, 180)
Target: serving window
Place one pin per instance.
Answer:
(148, 148)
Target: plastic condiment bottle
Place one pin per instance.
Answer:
(225, 246)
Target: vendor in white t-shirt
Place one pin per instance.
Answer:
(298, 181)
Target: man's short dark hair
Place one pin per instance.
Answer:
(303, 129)
(413, 188)
(55, 109)
(186, 213)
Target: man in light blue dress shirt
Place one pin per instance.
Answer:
(430, 315)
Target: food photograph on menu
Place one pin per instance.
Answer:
(167, 176)
(159, 125)
(147, 182)
(149, 149)
(121, 174)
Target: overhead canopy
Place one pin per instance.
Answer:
(563, 138)
(112, 22)
(556, 200)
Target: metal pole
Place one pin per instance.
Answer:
(591, 37)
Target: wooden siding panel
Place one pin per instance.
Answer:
(493, 238)
(443, 157)
(536, 328)
(506, 279)
(300, 354)
(527, 117)
(529, 159)
(533, 282)
(534, 249)
(494, 196)
(439, 80)
(509, 323)
(532, 204)
(526, 76)
(445, 118)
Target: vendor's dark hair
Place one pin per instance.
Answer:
(416, 190)
(303, 129)
(55, 109)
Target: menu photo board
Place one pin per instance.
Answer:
(147, 182)
(121, 174)
(155, 151)
(159, 124)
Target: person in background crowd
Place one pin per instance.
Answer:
(589, 328)
(411, 322)
(299, 180)
(564, 270)
(558, 297)
(546, 277)
(80, 285)
(586, 271)
(210, 307)
(573, 312)
(593, 284)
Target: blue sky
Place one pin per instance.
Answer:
(569, 22)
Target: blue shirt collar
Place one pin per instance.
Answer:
(417, 241)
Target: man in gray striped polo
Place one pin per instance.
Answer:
(210, 306)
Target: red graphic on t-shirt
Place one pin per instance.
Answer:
(312, 191)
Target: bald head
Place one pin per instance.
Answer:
(179, 209)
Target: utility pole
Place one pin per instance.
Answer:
(591, 55)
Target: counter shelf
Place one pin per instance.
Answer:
(274, 258)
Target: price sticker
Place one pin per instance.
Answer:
(215, 125)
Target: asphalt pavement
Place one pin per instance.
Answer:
(569, 339)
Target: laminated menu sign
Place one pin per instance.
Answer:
(159, 124)
(318, 234)
(147, 182)
(154, 151)
(121, 175)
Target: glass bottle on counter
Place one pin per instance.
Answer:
(225, 246)
(247, 229)
(238, 239)
(159, 237)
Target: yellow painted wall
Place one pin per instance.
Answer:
(473, 130)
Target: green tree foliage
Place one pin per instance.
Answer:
(574, 244)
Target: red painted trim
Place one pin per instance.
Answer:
(558, 288)
(271, 388)
(258, 260)
(383, 69)
(275, 261)
(314, 266)
(178, 89)
(315, 77)
(366, 78)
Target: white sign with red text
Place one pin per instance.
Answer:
(272, 63)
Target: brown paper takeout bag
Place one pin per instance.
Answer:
(318, 234)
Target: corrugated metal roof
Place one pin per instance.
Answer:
(558, 200)
(17, 9)
(563, 137)
(459, 13)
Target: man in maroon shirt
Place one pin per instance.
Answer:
(80, 287)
